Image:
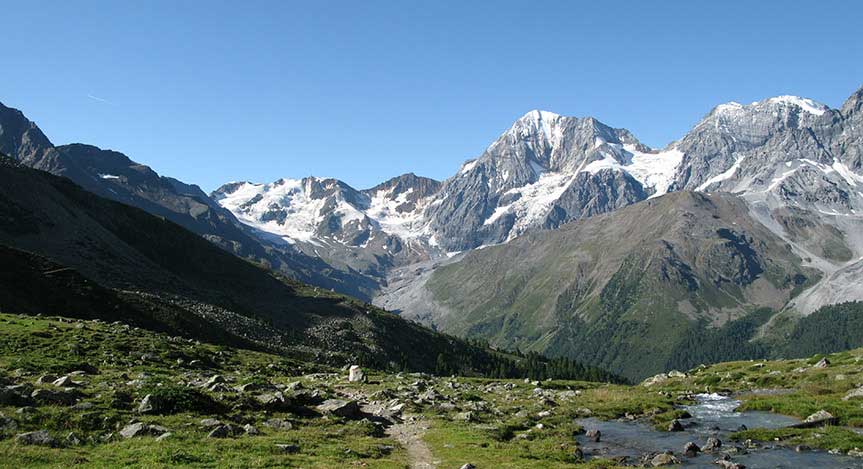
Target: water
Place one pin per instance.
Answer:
(712, 415)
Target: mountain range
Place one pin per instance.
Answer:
(562, 231)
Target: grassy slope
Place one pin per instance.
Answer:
(621, 290)
(503, 430)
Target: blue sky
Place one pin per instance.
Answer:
(210, 92)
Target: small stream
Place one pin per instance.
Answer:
(712, 415)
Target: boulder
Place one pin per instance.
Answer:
(675, 426)
(252, 387)
(209, 423)
(223, 431)
(356, 374)
(65, 382)
(278, 424)
(72, 440)
(250, 429)
(726, 464)
(818, 419)
(823, 363)
(288, 448)
(468, 466)
(340, 408)
(142, 429)
(39, 438)
(691, 450)
(664, 459)
(578, 455)
(7, 424)
(213, 380)
(273, 401)
(593, 435)
(151, 404)
(712, 444)
(60, 397)
(16, 395)
(654, 380)
(46, 379)
(854, 394)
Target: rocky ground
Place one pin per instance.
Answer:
(93, 394)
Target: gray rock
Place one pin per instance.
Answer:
(215, 379)
(142, 429)
(46, 379)
(356, 374)
(712, 444)
(65, 382)
(210, 423)
(593, 435)
(250, 429)
(8, 424)
(273, 401)
(288, 448)
(664, 459)
(38, 438)
(150, 405)
(222, 431)
(854, 394)
(675, 426)
(691, 450)
(16, 395)
(252, 387)
(278, 424)
(59, 397)
(340, 408)
(822, 417)
(72, 440)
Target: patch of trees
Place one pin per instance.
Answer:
(732, 341)
(832, 328)
(480, 360)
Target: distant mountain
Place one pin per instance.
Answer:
(113, 175)
(67, 251)
(795, 165)
(796, 162)
(619, 289)
(368, 231)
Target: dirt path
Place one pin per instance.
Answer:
(409, 434)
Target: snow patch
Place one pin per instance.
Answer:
(806, 104)
(727, 174)
(468, 166)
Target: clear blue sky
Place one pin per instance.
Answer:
(360, 90)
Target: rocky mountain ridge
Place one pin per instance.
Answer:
(795, 161)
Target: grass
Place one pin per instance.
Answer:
(32, 346)
(513, 423)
